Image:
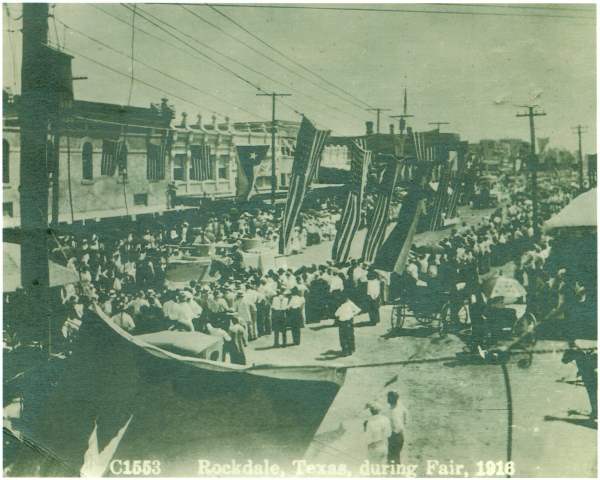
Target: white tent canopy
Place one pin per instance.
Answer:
(59, 275)
(581, 212)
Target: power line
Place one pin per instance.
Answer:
(145, 16)
(276, 62)
(150, 67)
(314, 99)
(287, 57)
(154, 19)
(404, 10)
(143, 82)
(163, 40)
(132, 55)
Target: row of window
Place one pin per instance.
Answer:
(114, 160)
(217, 169)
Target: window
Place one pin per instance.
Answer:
(7, 209)
(263, 182)
(223, 167)
(282, 179)
(213, 166)
(140, 199)
(87, 161)
(5, 162)
(179, 166)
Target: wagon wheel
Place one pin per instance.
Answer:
(444, 320)
(524, 328)
(398, 316)
(425, 318)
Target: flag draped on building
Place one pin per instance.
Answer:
(157, 156)
(309, 147)
(351, 215)
(457, 170)
(112, 154)
(201, 163)
(249, 158)
(441, 195)
(387, 167)
(393, 253)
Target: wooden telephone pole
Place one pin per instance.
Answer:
(579, 129)
(273, 96)
(403, 116)
(439, 124)
(533, 163)
(34, 115)
(378, 110)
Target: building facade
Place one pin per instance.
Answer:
(122, 161)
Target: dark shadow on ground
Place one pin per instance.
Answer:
(318, 327)
(330, 355)
(580, 422)
(416, 332)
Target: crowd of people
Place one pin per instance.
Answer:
(126, 275)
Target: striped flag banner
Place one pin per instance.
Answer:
(201, 163)
(441, 195)
(108, 164)
(157, 156)
(387, 173)
(393, 253)
(350, 220)
(457, 179)
(309, 147)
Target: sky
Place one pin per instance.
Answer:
(470, 66)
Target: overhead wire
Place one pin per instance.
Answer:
(139, 29)
(154, 19)
(238, 62)
(273, 60)
(287, 57)
(402, 10)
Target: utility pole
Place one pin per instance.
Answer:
(378, 110)
(273, 96)
(439, 124)
(403, 115)
(34, 114)
(579, 129)
(531, 113)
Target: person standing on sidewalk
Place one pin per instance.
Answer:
(345, 319)
(398, 421)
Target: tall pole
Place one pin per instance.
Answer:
(273, 96)
(378, 110)
(34, 114)
(579, 129)
(533, 166)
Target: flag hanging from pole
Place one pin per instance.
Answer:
(387, 173)
(393, 253)
(350, 220)
(249, 158)
(309, 147)
(201, 163)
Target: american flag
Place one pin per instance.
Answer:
(387, 173)
(201, 163)
(441, 195)
(110, 154)
(309, 147)
(350, 221)
(393, 253)
(155, 165)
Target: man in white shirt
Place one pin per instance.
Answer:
(345, 318)
(398, 422)
(373, 297)
(378, 428)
